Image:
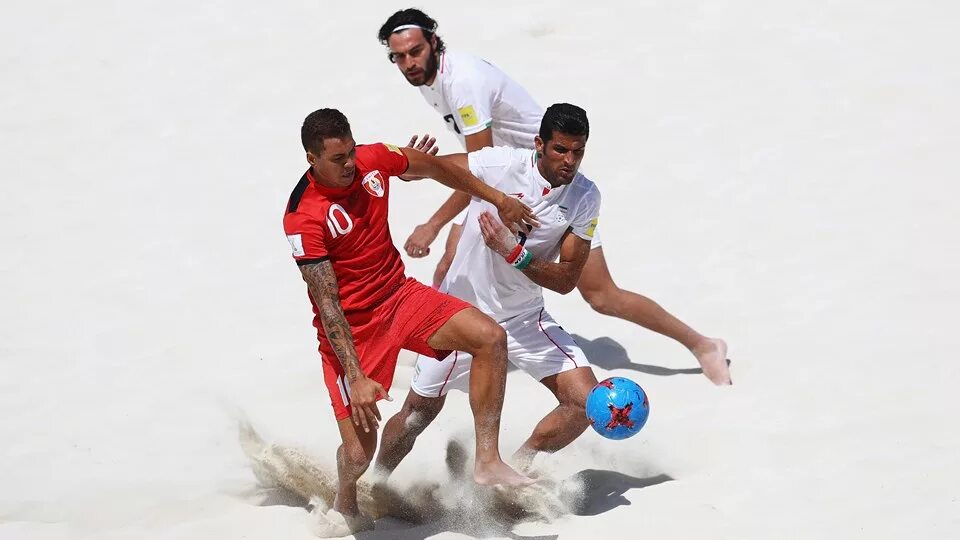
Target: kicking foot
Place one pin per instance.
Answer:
(712, 355)
(499, 473)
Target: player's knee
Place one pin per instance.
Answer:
(490, 335)
(355, 457)
(419, 413)
(601, 300)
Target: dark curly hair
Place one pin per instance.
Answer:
(410, 16)
(323, 124)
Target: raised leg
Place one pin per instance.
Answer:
(604, 296)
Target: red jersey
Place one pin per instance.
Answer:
(348, 226)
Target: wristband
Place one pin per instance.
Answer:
(514, 255)
(524, 260)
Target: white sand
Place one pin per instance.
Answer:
(783, 176)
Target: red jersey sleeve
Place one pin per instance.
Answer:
(307, 238)
(387, 158)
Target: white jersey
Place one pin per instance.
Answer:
(472, 95)
(483, 278)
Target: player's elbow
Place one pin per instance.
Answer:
(563, 287)
(567, 287)
(329, 309)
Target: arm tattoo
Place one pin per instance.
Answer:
(322, 283)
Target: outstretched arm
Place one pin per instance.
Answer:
(447, 171)
(426, 144)
(459, 200)
(561, 276)
(453, 206)
(418, 244)
(322, 283)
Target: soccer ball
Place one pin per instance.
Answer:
(617, 408)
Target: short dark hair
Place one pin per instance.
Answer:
(323, 124)
(565, 118)
(411, 16)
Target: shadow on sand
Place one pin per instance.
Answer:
(608, 354)
(599, 491)
(603, 490)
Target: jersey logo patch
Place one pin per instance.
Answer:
(468, 115)
(296, 243)
(593, 227)
(373, 183)
(517, 195)
(393, 148)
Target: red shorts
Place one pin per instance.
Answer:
(405, 320)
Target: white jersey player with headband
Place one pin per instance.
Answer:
(472, 95)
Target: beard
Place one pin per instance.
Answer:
(429, 71)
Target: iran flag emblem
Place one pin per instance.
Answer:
(373, 183)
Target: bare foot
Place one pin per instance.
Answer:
(498, 473)
(712, 355)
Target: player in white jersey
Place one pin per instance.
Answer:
(503, 274)
(485, 107)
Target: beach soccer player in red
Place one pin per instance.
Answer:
(366, 309)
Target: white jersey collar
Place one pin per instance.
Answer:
(543, 183)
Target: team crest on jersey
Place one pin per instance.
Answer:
(373, 183)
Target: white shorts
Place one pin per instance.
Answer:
(535, 343)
